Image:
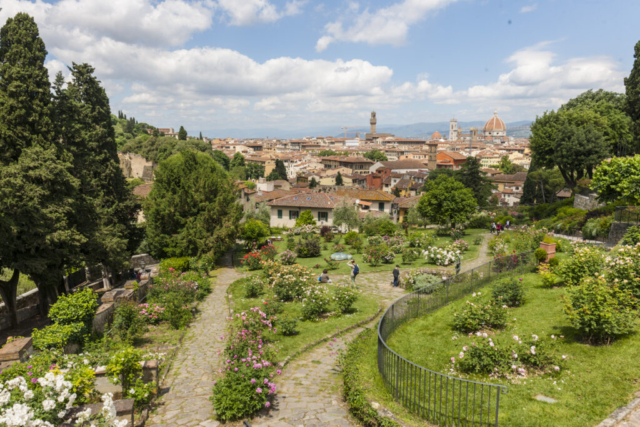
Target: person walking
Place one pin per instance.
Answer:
(493, 227)
(396, 276)
(508, 225)
(499, 228)
(324, 278)
(355, 270)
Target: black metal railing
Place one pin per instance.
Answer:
(439, 398)
(627, 214)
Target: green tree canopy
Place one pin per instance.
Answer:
(618, 179)
(313, 183)
(305, 218)
(253, 231)
(237, 161)
(182, 134)
(255, 170)
(273, 176)
(262, 213)
(222, 159)
(546, 182)
(446, 201)
(347, 214)
(375, 155)
(339, 180)
(192, 208)
(281, 170)
(506, 166)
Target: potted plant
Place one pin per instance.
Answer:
(549, 245)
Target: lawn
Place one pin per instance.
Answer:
(596, 381)
(308, 331)
(470, 255)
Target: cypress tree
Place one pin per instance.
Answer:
(632, 86)
(182, 134)
(37, 190)
(281, 170)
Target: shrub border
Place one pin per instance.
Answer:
(354, 395)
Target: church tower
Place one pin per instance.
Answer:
(373, 122)
(453, 130)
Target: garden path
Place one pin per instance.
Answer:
(309, 393)
(190, 380)
(483, 254)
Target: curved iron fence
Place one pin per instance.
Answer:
(439, 398)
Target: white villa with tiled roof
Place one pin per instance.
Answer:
(286, 210)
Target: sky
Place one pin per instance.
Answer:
(215, 65)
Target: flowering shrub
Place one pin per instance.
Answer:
(624, 269)
(345, 297)
(338, 248)
(287, 326)
(440, 256)
(128, 323)
(395, 240)
(506, 262)
(151, 313)
(600, 311)
(409, 255)
(459, 246)
(514, 358)
(271, 268)
(76, 307)
(58, 336)
(509, 292)
(585, 262)
(272, 307)
(632, 236)
(477, 241)
(457, 233)
(421, 240)
(247, 383)
(548, 278)
(254, 287)
(125, 368)
(315, 302)
(373, 254)
(375, 240)
(252, 260)
(303, 229)
(416, 280)
(186, 287)
(497, 245)
(290, 282)
(332, 264)
(175, 264)
(268, 252)
(480, 315)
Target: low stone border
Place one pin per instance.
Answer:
(620, 414)
(309, 346)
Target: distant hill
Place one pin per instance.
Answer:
(417, 130)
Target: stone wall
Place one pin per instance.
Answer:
(586, 202)
(136, 166)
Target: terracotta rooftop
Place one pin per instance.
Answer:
(348, 159)
(516, 177)
(272, 195)
(454, 155)
(404, 164)
(360, 194)
(407, 202)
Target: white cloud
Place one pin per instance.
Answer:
(387, 25)
(248, 12)
(530, 8)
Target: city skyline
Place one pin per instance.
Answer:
(293, 65)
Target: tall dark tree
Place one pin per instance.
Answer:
(632, 86)
(473, 178)
(281, 170)
(200, 136)
(182, 134)
(192, 208)
(36, 186)
(156, 133)
(529, 188)
(255, 171)
(339, 180)
(222, 159)
(579, 151)
(313, 183)
(237, 161)
(91, 140)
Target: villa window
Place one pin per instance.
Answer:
(323, 216)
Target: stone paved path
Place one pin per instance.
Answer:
(483, 254)
(189, 383)
(309, 393)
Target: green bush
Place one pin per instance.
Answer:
(410, 255)
(175, 264)
(308, 247)
(127, 322)
(597, 227)
(125, 368)
(540, 254)
(585, 262)
(632, 236)
(351, 364)
(421, 240)
(480, 315)
(178, 313)
(315, 302)
(623, 270)
(76, 307)
(480, 220)
(272, 307)
(601, 312)
(345, 298)
(379, 227)
(254, 287)
(351, 237)
(509, 292)
(477, 241)
(57, 336)
(287, 326)
(554, 262)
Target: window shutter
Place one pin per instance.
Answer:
(279, 213)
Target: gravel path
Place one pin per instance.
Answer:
(189, 385)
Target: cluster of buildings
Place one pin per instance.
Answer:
(383, 188)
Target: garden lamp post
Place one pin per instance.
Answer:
(458, 263)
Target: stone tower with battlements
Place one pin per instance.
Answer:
(373, 122)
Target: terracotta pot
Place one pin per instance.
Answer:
(550, 248)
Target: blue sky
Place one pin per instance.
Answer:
(296, 64)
